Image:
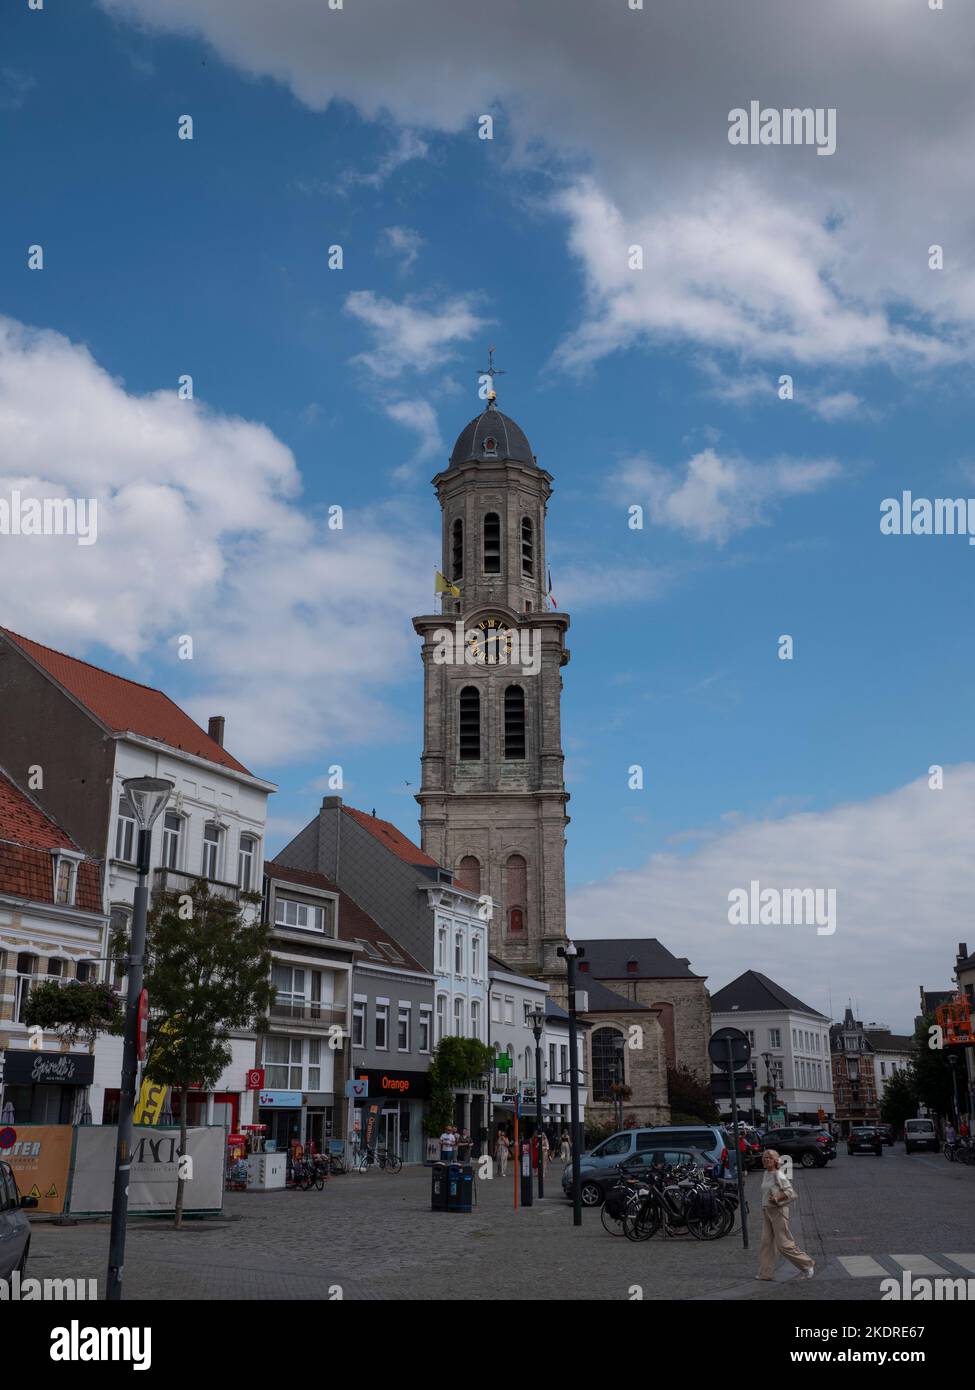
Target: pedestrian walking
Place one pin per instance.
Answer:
(545, 1152)
(565, 1148)
(777, 1193)
(501, 1150)
(950, 1135)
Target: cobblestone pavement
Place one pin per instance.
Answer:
(374, 1236)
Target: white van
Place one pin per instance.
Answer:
(920, 1134)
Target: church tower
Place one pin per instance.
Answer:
(492, 795)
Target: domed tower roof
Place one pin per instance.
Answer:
(492, 435)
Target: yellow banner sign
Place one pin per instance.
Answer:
(148, 1108)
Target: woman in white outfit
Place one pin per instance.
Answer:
(777, 1192)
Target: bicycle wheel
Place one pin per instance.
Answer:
(709, 1225)
(613, 1224)
(319, 1178)
(394, 1163)
(643, 1222)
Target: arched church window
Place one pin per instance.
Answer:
(492, 543)
(516, 891)
(470, 724)
(457, 550)
(607, 1062)
(514, 722)
(527, 548)
(468, 874)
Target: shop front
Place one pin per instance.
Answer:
(46, 1088)
(297, 1117)
(401, 1095)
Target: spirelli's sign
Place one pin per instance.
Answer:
(48, 1068)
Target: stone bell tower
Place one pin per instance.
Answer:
(492, 796)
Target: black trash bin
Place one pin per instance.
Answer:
(438, 1188)
(465, 1189)
(453, 1186)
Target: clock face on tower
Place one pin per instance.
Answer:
(493, 639)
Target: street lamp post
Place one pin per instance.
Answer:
(536, 1018)
(952, 1059)
(146, 796)
(767, 1059)
(570, 954)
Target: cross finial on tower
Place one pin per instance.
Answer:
(491, 371)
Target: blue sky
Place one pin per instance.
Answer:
(209, 256)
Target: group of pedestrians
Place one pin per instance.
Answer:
(543, 1149)
(455, 1144)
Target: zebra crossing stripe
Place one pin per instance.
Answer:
(918, 1264)
(862, 1266)
(963, 1261)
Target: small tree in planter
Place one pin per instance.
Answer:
(75, 1010)
(455, 1062)
(208, 974)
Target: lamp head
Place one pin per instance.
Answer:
(147, 797)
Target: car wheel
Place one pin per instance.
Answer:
(591, 1194)
(808, 1159)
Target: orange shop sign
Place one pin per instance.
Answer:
(40, 1156)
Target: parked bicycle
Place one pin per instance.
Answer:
(381, 1158)
(682, 1200)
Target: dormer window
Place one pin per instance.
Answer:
(65, 876)
(490, 449)
(631, 966)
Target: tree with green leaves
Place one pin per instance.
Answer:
(899, 1101)
(930, 1074)
(208, 975)
(75, 1009)
(690, 1097)
(455, 1063)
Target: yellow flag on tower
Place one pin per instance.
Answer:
(444, 586)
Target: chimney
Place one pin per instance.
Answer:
(329, 803)
(962, 950)
(215, 728)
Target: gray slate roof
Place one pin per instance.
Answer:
(474, 440)
(882, 1041)
(753, 992)
(608, 957)
(603, 1000)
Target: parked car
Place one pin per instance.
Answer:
(920, 1134)
(749, 1142)
(14, 1226)
(886, 1133)
(865, 1141)
(607, 1178)
(810, 1146)
(604, 1158)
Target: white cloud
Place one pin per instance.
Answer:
(902, 868)
(202, 531)
(419, 416)
(408, 146)
(717, 495)
(409, 336)
(402, 242)
(763, 253)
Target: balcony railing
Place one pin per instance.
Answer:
(304, 1011)
(177, 881)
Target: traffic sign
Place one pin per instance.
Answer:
(721, 1085)
(727, 1059)
(143, 1018)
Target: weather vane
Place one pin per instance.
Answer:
(491, 371)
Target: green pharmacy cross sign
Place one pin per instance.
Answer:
(503, 1062)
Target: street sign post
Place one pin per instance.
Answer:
(730, 1050)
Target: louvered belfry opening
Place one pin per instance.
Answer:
(457, 550)
(470, 724)
(514, 722)
(527, 548)
(492, 543)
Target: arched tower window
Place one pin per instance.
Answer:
(527, 548)
(470, 724)
(468, 874)
(492, 543)
(515, 891)
(514, 722)
(607, 1062)
(457, 550)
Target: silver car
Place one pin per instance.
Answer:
(14, 1226)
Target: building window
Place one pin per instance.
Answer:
(775, 1037)
(65, 879)
(314, 1064)
(26, 969)
(458, 953)
(492, 543)
(475, 956)
(359, 1023)
(211, 851)
(441, 1016)
(553, 1062)
(470, 724)
(605, 1062)
(403, 1030)
(282, 1064)
(458, 1018)
(55, 969)
(245, 862)
(457, 550)
(288, 913)
(529, 1064)
(469, 874)
(475, 1018)
(509, 1008)
(442, 950)
(125, 839)
(424, 1044)
(514, 722)
(515, 891)
(84, 971)
(172, 837)
(382, 1026)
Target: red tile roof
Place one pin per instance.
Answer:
(354, 923)
(26, 838)
(393, 839)
(124, 705)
